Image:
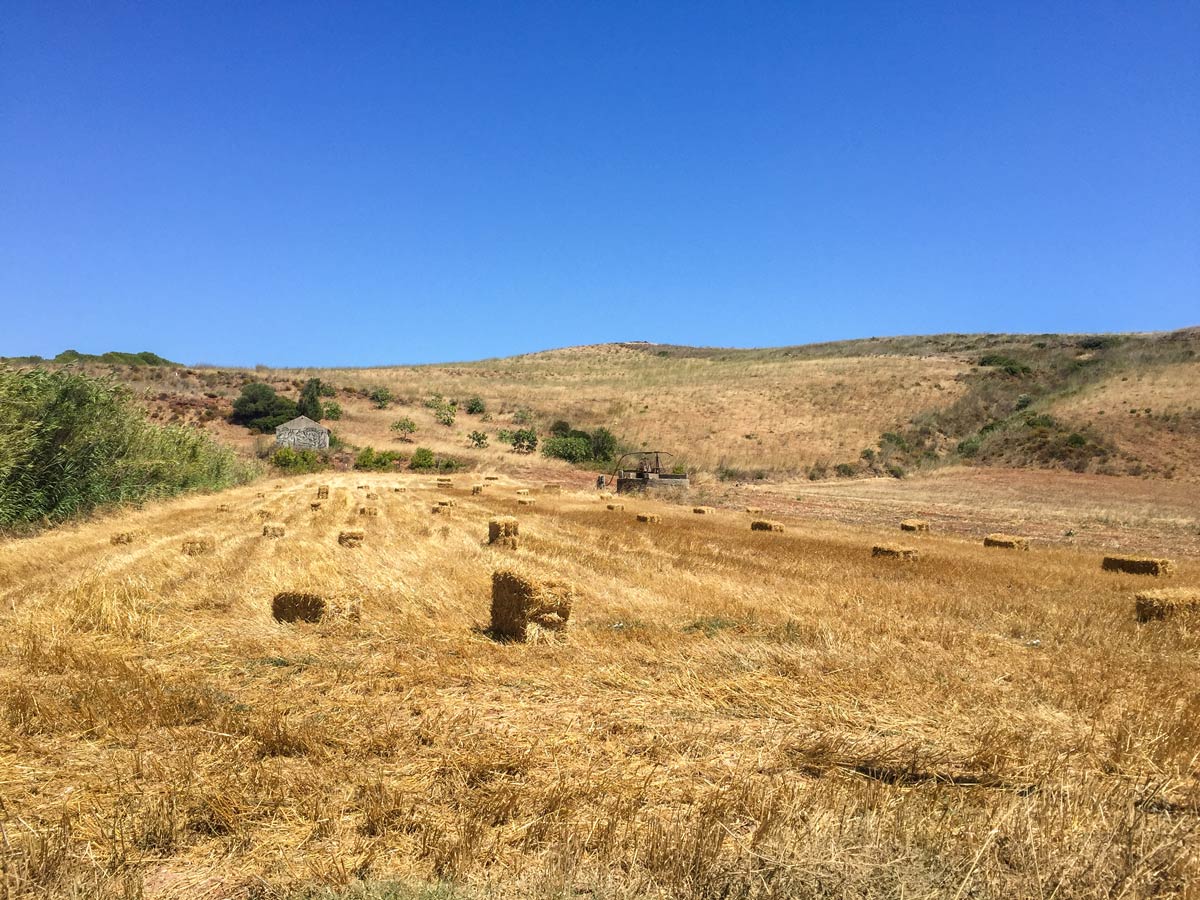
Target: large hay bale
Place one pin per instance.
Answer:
(526, 501)
(524, 606)
(323, 492)
(765, 525)
(754, 510)
(1138, 565)
(440, 510)
(649, 518)
(1006, 542)
(504, 530)
(371, 511)
(351, 538)
(521, 492)
(294, 606)
(1167, 603)
(703, 510)
(274, 530)
(892, 551)
(616, 506)
(199, 546)
(477, 489)
(914, 525)
(551, 488)
(122, 537)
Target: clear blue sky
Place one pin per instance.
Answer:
(355, 183)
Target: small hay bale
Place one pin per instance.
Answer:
(274, 530)
(616, 506)
(399, 490)
(1138, 565)
(323, 492)
(526, 501)
(765, 525)
(371, 496)
(122, 537)
(754, 510)
(491, 477)
(371, 511)
(260, 495)
(1167, 603)
(477, 489)
(351, 538)
(446, 503)
(199, 546)
(448, 481)
(292, 606)
(523, 606)
(649, 518)
(703, 510)
(892, 551)
(1006, 542)
(521, 492)
(551, 488)
(263, 514)
(363, 487)
(314, 506)
(914, 525)
(440, 510)
(224, 507)
(504, 530)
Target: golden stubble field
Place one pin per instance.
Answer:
(730, 714)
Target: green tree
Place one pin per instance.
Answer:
(476, 406)
(561, 428)
(478, 439)
(525, 440)
(260, 408)
(333, 410)
(604, 444)
(310, 400)
(572, 449)
(422, 458)
(404, 427)
(381, 397)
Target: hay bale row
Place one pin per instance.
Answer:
(1138, 565)
(649, 518)
(1006, 542)
(199, 546)
(122, 537)
(1167, 603)
(765, 525)
(703, 510)
(914, 525)
(524, 606)
(504, 531)
(892, 551)
(351, 538)
(369, 511)
(274, 530)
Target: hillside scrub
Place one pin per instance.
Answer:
(261, 409)
(70, 443)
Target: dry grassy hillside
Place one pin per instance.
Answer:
(730, 713)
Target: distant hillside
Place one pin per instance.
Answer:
(112, 357)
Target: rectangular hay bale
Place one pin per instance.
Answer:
(351, 538)
(914, 525)
(504, 530)
(273, 530)
(1006, 541)
(323, 492)
(524, 606)
(764, 525)
(649, 518)
(1138, 565)
(370, 511)
(476, 489)
(122, 537)
(491, 477)
(892, 551)
(703, 510)
(616, 506)
(199, 546)
(1167, 603)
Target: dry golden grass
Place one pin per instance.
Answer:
(726, 716)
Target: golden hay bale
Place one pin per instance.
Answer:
(524, 606)
(371, 495)
(260, 495)
(199, 546)
(914, 525)
(491, 477)
(294, 606)
(224, 507)
(616, 506)
(754, 510)
(521, 492)
(314, 506)
(323, 492)
(1166, 603)
(551, 488)
(368, 511)
(440, 510)
(441, 480)
(399, 490)
(649, 518)
(503, 530)
(892, 551)
(526, 501)
(765, 525)
(1138, 565)
(477, 489)
(703, 510)
(273, 530)
(351, 538)
(263, 514)
(1006, 542)
(446, 503)
(363, 487)
(122, 537)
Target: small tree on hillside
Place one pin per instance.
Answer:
(310, 400)
(478, 439)
(381, 397)
(404, 427)
(260, 408)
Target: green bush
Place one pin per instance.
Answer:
(422, 458)
(478, 439)
(845, 470)
(298, 461)
(404, 427)
(560, 429)
(572, 449)
(604, 444)
(525, 440)
(70, 443)
(310, 400)
(1007, 364)
(333, 410)
(381, 397)
(476, 406)
(261, 409)
(371, 459)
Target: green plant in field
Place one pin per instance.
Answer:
(478, 439)
(371, 459)
(404, 427)
(333, 410)
(422, 458)
(298, 461)
(261, 409)
(525, 440)
(381, 397)
(571, 449)
(310, 400)
(476, 406)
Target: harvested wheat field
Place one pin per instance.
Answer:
(723, 715)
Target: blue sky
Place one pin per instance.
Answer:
(352, 184)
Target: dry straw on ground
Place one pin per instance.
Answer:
(504, 530)
(292, 606)
(122, 537)
(1138, 565)
(199, 546)
(893, 551)
(371, 495)
(351, 538)
(1167, 603)
(1006, 541)
(523, 605)
(765, 525)
(914, 525)
(274, 530)
(649, 518)
(440, 510)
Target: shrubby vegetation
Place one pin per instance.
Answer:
(578, 446)
(261, 409)
(404, 427)
(70, 444)
(113, 357)
(310, 400)
(381, 397)
(424, 459)
(476, 406)
(298, 461)
(370, 459)
(333, 410)
(443, 410)
(478, 439)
